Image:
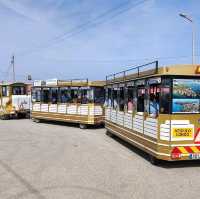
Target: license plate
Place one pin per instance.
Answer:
(194, 156)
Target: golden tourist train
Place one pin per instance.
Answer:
(77, 101)
(156, 109)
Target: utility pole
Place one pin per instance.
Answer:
(13, 66)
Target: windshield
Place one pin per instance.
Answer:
(19, 90)
(36, 94)
(186, 96)
(99, 95)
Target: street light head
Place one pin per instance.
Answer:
(186, 17)
(182, 15)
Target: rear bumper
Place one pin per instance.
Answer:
(186, 153)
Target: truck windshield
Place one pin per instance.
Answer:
(186, 96)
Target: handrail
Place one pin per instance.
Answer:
(138, 73)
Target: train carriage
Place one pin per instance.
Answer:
(75, 101)
(15, 100)
(156, 109)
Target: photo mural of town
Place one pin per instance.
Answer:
(186, 95)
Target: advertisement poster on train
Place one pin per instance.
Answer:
(186, 96)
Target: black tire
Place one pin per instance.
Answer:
(4, 117)
(108, 133)
(82, 126)
(36, 120)
(102, 125)
(28, 116)
(153, 160)
(21, 115)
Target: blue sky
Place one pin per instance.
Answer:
(129, 33)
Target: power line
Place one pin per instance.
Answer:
(133, 61)
(94, 23)
(121, 60)
(5, 73)
(100, 19)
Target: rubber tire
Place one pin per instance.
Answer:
(28, 116)
(4, 117)
(82, 126)
(21, 115)
(108, 133)
(153, 160)
(36, 120)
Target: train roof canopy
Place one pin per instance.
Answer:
(68, 83)
(152, 70)
(14, 83)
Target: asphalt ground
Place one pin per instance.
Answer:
(60, 161)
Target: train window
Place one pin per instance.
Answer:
(121, 99)
(140, 99)
(75, 95)
(90, 95)
(114, 99)
(65, 96)
(18, 90)
(36, 95)
(4, 91)
(54, 95)
(99, 95)
(165, 96)
(108, 98)
(45, 95)
(129, 105)
(131, 100)
(79, 98)
(84, 96)
(154, 95)
(165, 100)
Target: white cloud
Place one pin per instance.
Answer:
(21, 9)
(33, 10)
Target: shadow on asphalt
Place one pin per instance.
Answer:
(162, 163)
(69, 124)
(30, 188)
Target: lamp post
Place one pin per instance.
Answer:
(188, 18)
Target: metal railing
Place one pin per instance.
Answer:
(136, 72)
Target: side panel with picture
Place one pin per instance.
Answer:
(186, 96)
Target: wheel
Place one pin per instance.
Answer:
(36, 120)
(108, 133)
(153, 160)
(83, 126)
(20, 115)
(102, 125)
(28, 116)
(4, 117)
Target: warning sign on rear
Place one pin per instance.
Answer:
(197, 137)
(182, 132)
